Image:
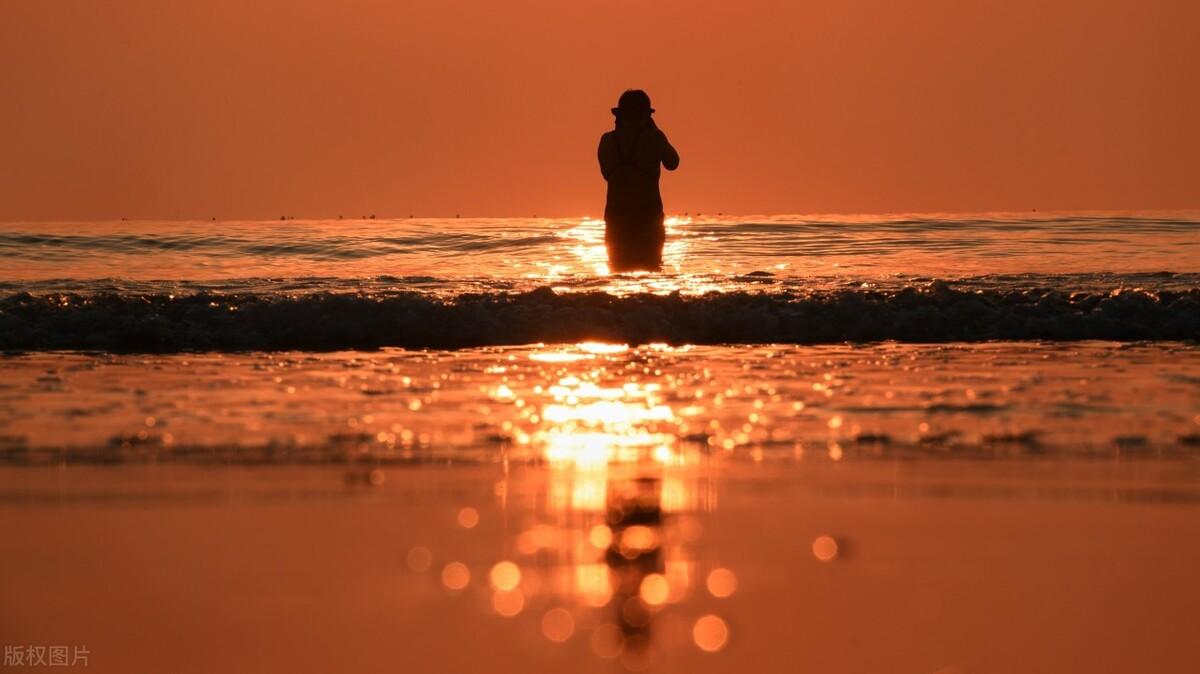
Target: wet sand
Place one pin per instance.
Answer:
(934, 566)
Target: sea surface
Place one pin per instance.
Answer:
(917, 443)
(420, 283)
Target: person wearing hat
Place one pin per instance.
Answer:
(630, 159)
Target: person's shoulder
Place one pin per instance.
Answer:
(608, 136)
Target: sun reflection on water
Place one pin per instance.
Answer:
(610, 514)
(587, 255)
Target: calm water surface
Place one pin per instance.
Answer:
(702, 253)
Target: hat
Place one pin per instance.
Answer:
(633, 101)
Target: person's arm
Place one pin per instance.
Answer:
(604, 155)
(670, 158)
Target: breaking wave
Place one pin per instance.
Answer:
(933, 312)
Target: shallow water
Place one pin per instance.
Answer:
(222, 286)
(601, 403)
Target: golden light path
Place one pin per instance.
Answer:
(606, 549)
(587, 255)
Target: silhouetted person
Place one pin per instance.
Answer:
(630, 157)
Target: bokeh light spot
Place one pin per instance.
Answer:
(600, 536)
(468, 518)
(655, 589)
(558, 625)
(505, 576)
(508, 604)
(710, 633)
(721, 582)
(638, 539)
(825, 548)
(456, 575)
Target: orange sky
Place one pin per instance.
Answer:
(151, 109)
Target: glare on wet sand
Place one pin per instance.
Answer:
(629, 501)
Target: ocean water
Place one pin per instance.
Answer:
(912, 443)
(964, 334)
(418, 340)
(419, 283)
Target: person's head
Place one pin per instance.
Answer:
(633, 106)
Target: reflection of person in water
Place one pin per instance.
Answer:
(630, 157)
(635, 518)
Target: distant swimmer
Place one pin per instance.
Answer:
(630, 157)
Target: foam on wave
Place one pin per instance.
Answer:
(936, 312)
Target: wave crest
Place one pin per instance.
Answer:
(936, 312)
